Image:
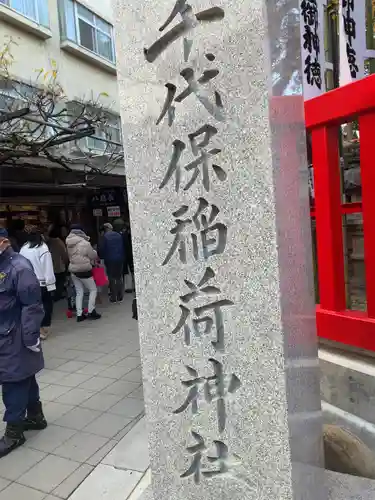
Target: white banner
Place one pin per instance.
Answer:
(312, 41)
(352, 18)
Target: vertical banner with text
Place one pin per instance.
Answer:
(312, 50)
(352, 20)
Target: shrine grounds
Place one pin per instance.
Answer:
(95, 446)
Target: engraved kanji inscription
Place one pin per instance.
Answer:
(181, 30)
(214, 388)
(197, 86)
(205, 317)
(209, 465)
(200, 167)
(206, 237)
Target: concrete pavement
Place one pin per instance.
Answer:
(96, 443)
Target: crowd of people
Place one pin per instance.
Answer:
(65, 267)
(36, 268)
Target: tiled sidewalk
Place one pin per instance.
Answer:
(92, 394)
(122, 474)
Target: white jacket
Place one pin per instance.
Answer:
(41, 260)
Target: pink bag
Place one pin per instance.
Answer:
(100, 278)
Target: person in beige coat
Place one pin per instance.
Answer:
(82, 257)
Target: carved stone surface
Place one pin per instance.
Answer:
(344, 487)
(218, 190)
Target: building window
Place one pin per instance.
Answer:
(35, 10)
(14, 96)
(86, 29)
(107, 137)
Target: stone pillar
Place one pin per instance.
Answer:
(215, 158)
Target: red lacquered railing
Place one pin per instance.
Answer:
(323, 115)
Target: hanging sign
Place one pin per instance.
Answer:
(312, 50)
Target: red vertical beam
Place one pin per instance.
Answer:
(325, 149)
(367, 127)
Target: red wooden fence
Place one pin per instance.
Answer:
(323, 116)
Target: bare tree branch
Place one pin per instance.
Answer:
(53, 127)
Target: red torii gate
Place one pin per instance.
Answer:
(323, 116)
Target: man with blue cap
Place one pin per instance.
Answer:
(21, 357)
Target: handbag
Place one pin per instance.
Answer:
(128, 282)
(100, 278)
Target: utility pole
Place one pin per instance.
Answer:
(333, 34)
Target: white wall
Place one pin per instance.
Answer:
(78, 78)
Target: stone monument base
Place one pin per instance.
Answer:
(147, 495)
(339, 486)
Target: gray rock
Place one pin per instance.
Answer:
(346, 453)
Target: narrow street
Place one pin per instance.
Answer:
(95, 446)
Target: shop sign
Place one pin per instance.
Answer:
(97, 212)
(114, 211)
(107, 197)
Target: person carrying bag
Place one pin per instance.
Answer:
(82, 256)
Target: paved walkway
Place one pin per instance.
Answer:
(93, 401)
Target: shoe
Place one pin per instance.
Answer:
(112, 301)
(81, 318)
(35, 420)
(12, 439)
(94, 315)
(45, 332)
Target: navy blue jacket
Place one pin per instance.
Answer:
(21, 314)
(111, 247)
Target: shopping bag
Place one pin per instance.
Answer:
(100, 278)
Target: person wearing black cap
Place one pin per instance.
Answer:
(21, 357)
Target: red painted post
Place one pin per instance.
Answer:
(366, 127)
(328, 218)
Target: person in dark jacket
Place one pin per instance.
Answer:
(123, 228)
(21, 357)
(111, 250)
